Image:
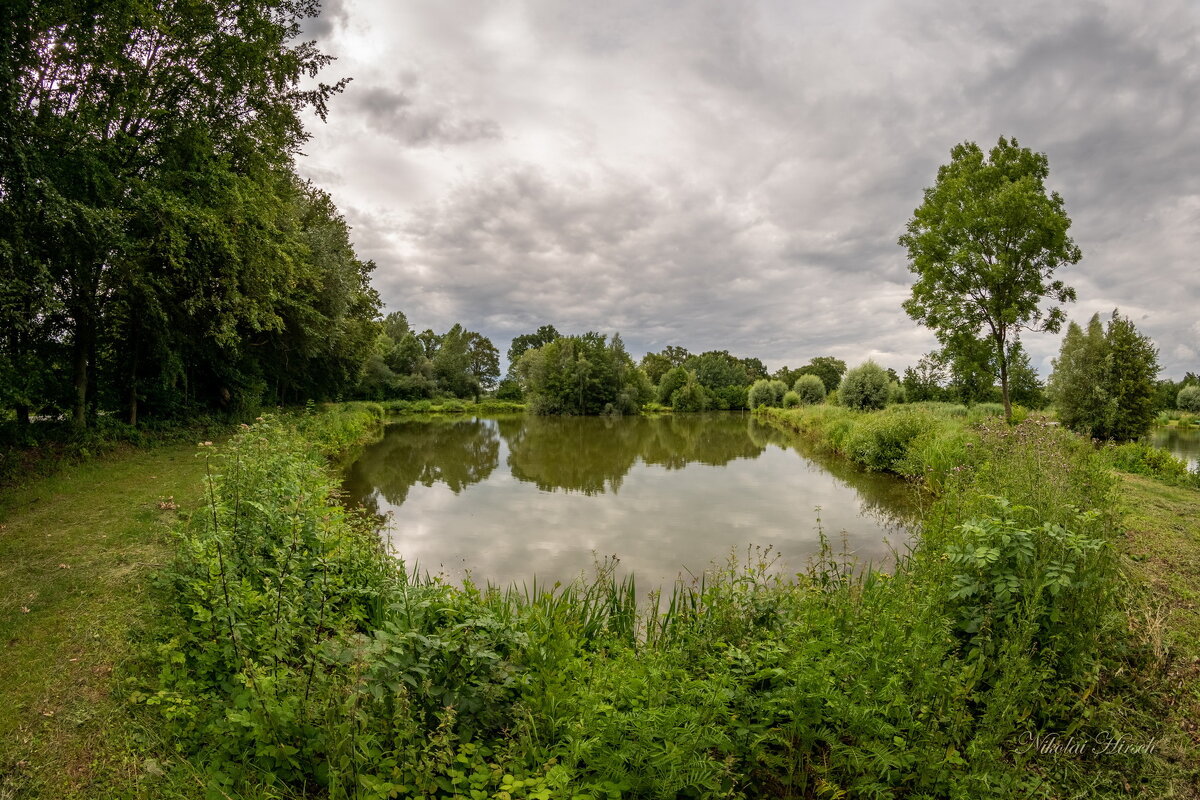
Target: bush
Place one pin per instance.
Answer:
(670, 383)
(791, 400)
(864, 388)
(809, 389)
(509, 390)
(1188, 399)
(766, 393)
(896, 393)
(690, 397)
(880, 441)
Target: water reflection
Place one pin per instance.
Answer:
(1180, 442)
(455, 452)
(666, 494)
(593, 455)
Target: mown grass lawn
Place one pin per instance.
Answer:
(1162, 541)
(75, 552)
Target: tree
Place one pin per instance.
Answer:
(582, 375)
(1132, 368)
(766, 393)
(104, 106)
(1103, 383)
(529, 341)
(985, 245)
(1077, 381)
(691, 396)
(484, 360)
(655, 365)
(809, 389)
(865, 387)
(672, 380)
(927, 379)
(827, 368)
(1188, 399)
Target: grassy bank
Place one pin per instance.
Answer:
(295, 658)
(452, 405)
(78, 550)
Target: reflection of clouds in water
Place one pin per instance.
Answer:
(671, 516)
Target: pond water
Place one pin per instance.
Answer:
(1181, 442)
(508, 498)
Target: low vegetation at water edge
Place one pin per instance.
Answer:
(293, 653)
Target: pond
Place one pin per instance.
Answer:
(508, 498)
(1181, 442)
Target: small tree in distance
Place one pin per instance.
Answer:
(984, 245)
(865, 387)
(1188, 399)
(809, 389)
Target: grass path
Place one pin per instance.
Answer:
(1162, 541)
(75, 552)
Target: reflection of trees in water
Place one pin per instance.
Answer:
(584, 454)
(887, 500)
(456, 452)
(591, 455)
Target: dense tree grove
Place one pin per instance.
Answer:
(157, 252)
(1103, 384)
(582, 375)
(407, 365)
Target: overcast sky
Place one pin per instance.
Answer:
(734, 175)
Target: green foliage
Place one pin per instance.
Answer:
(148, 192)
(984, 245)
(672, 380)
(1144, 459)
(529, 341)
(1103, 384)
(691, 396)
(791, 399)
(809, 389)
(583, 375)
(767, 393)
(1188, 399)
(291, 652)
(864, 388)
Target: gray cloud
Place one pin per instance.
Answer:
(398, 114)
(735, 174)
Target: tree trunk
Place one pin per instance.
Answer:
(133, 398)
(133, 403)
(22, 416)
(1004, 382)
(79, 417)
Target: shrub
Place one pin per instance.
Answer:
(865, 387)
(809, 389)
(791, 399)
(690, 397)
(880, 441)
(671, 382)
(1188, 399)
(766, 393)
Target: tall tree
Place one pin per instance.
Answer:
(529, 341)
(985, 245)
(101, 98)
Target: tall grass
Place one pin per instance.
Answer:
(295, 657)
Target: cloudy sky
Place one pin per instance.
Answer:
(733, 175)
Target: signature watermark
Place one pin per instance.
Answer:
(1101, 744)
